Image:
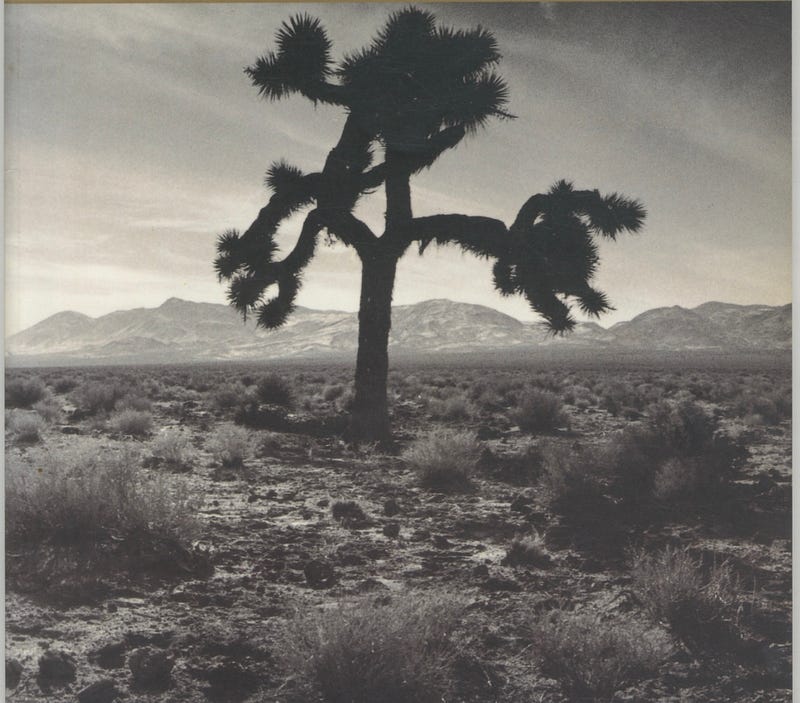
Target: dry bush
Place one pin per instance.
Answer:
(49, 409)
(97, 397)
(134, 402)
(24, 392)
(136, 423)
(452, 409)
(527, 550)
(230, 445)
(227, 396)
(363, 652)
(444, 458)
(331, 393)
(82, 497)
(569, 478)
(26, 428)
(593, 657)
(675, 588)
(172, 447)
(273, 390)
(677, 452)
(63, 384)
(539, 411)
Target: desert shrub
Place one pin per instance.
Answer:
(527, 550)
(24, 392)
(443, 458)
(82, 496)
(49, 409)
(767, 408)
(676, 477)
(97, 397)
(685, 427)
(677, 451)
(675, 588)
(228, 396)
(63, 384)
(344, 403)
(331, 393)
(274, 390)
(452, 409)
(539, 411)
(27, 428)
(594, 657)
(134, 402)
(364, 652)
(136, 423)
(172, 447)
(229, 445)
(569, 478)
(348, 512)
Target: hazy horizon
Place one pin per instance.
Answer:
(133, 139)
(602, 322)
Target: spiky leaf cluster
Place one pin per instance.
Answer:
(301, 64)
(247, 260)
(416, 79)
(552, 255)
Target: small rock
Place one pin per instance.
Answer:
(56, 667)
(324, 503)
(102, 691)
(319, 574)
(441, 542)
(13, 673)
(252, 498)
(391, 508)
(271, 493)
(481, 570)
(151, 668)
(391, 530)
(71, 429)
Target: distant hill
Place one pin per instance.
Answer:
(181, 330)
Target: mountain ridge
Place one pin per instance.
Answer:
(191, 331)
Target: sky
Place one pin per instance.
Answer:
(133, 138)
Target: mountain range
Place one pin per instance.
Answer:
(180, 330)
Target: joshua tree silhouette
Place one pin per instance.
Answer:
(415, 91)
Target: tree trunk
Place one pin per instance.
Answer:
(370, 414)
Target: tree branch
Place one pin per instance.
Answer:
(482, 236)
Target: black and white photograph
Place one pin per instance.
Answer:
(398, 353)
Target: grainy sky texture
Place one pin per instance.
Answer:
(133, 138)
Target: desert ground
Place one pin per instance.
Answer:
(580, 532)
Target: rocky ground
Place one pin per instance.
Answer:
(208, 625)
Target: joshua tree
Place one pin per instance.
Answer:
(415, 91)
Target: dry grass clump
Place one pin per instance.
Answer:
(97, 397)
(228, 396)
(569, 478)
(82, 497)
(230, 445)
(365, 652)
(527, 550)
(172, 447)
(444, 458)
(26, 428)
(678, 452)
(24, 392)
(539, 411)
(49, 409)
(593, 657)
(675, 588)
(136, 423)
(273, 390)
(451, 409)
